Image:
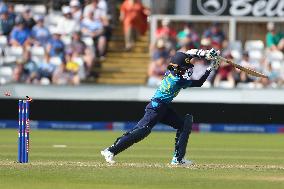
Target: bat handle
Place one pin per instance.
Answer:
(220, 58)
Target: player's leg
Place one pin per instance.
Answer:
(139, 132)
(184, 127)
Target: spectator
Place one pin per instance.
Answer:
(275, 78)
(30, 64)
(6, 22)
(167, 33)
(134, 17)
(26, 69)
(11, 11)
(20, 36)
(156, 71)
(73, 67)
(92, 27)
(40, 33)
(99, 8)
(188, 32)
(67, 25)
(77, 45)
(224, 77)
(76, 10)
(102, 4)
(18, 72)
(45, 70)
(274, 40)
(160, 50)
(79, 49)
(29, 22)
(186, 44)
(205, 44)
(159, 64)
(245, 78)
(1, 3)
(63, 76)
(55, 46)
(215, 35)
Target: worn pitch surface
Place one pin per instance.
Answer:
(71, 159)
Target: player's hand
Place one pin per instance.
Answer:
(215, 64)
(212, 54)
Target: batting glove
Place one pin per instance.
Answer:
(212, 54)
(215, 64)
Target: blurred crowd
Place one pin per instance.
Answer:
(263, 56)
(62, 47)
(58, 47)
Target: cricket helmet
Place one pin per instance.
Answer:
(181, 60)
(180, 65)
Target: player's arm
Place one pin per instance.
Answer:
(208, 55)
(203, 54)
(199, 82)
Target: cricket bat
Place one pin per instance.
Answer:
(244, 69)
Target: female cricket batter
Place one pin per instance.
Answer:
(158, 110)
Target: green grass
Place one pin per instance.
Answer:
(222, 161)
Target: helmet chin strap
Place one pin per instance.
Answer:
(184, 72)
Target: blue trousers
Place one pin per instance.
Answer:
(157, 112)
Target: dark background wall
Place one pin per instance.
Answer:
(133, 111)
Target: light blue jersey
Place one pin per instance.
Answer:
(172, 83)
(170, 87)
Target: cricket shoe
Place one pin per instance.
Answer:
(108, 156)
(182, 162)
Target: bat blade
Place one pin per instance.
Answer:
(244, 69)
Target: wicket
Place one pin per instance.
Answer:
(23, 132)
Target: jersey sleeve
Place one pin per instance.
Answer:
(196, 83)
(196, 53)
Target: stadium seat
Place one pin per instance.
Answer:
(206, 85)
(37, 54)
(14, 51)
(255, 54)
(237, 55)
(37, 51)
(275, 56)
(9, 59)
(82, 72)
(254, 45)
(55, 60)
(276, 59)
(44, 81)
(66, 39)
(3, 41)
(19, 8)
(6, 73)
(249, 85)
(12, 54)
(38, 9)
(225, 84)
(89, 42)
(52, 19)
(235, 45)
(52, 28)
(276, 65)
